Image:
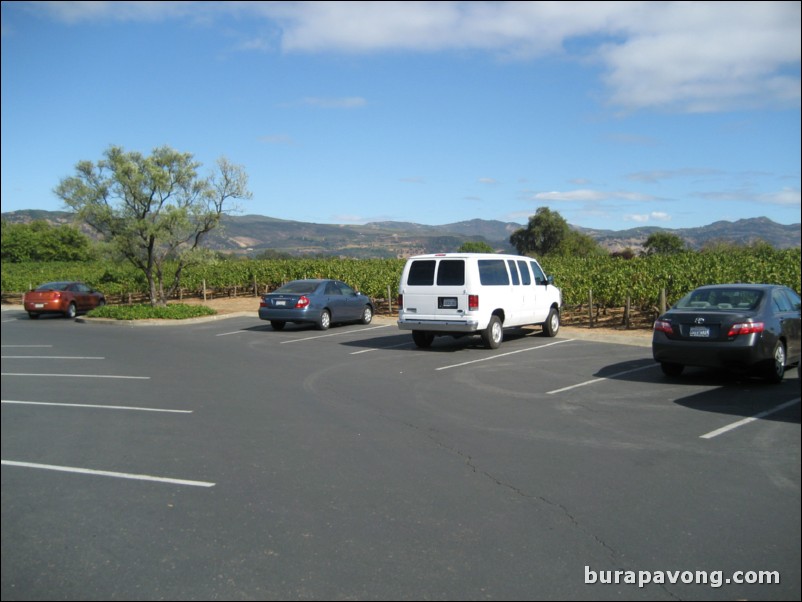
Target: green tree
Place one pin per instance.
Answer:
(475, 247)
(41, 241)
(543, 234)
(577, 244)
(154, 210)
(664, 243)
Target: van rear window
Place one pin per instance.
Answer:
(421, 273)
(451, 272)
(493, 272)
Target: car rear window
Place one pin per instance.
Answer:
(721, 298)
(493, 272)
(53, 286)
(299, 288)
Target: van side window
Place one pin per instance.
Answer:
(513, 272)
(493, 272)
(525, 277)
(421, 273)
(451, 272)
(540, 277)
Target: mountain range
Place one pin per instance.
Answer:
(256, 234)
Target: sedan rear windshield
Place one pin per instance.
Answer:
(721, 298)
(53, 286)
(298, 288)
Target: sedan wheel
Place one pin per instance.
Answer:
(325, 320)
(671, 369)
(71, 312)
(367, 315)
(774, 370)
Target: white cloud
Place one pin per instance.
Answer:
(588, 195)
(787, 197)
(488, 181)
(678, 56)
(643, 218)
(277, 139)
(349, 102)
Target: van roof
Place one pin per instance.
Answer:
(467, 255)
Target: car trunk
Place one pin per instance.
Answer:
(706, 326)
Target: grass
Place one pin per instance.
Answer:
(174, 311)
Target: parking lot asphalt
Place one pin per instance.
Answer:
(220, 459)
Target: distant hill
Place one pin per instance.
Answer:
(253, 234)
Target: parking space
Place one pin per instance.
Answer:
(223, 459)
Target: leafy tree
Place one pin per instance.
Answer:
(41, 241)
(543, 234)
(154, 210)
(577, 244)
(475, 247)
(664, 243)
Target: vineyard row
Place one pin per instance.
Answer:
(611, 280)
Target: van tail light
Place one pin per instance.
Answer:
(473, 302)
(746, 328)
(303, 302)
(400, 302)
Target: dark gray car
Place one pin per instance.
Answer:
(319, 302)
(754, 327)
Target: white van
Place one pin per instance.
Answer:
(457, 294)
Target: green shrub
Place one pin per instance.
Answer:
(174, 311)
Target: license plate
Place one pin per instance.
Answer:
(39, 305)
(281, 303)
(448, 303)
(700, 331)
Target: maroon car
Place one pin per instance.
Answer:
(66, 298)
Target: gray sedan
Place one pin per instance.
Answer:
(319, 302)
(741, 326)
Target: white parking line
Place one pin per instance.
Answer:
(598, 380)
(75, 375)
(334, 334)
(48, 346)
(493, 357)
(380, 348)
(105, 473)
(735, 425)
(49, 357)
(98, 407)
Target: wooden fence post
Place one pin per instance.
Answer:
(626, 313)
(590, 308)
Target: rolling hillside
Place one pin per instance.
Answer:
(254, 234)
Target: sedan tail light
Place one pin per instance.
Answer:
(663, 326)
(746, 328)
(303, 302)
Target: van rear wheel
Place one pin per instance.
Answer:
(493, 334)
(422, 339)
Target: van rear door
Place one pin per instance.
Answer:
(435, 288)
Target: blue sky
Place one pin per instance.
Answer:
(615, 115)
